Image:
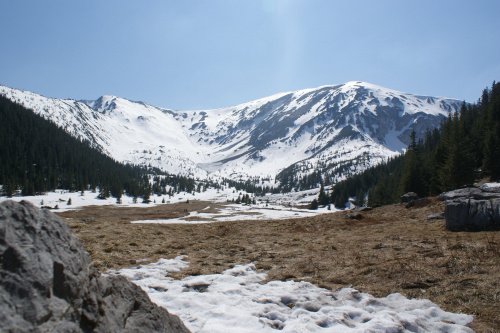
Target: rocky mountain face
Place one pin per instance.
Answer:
(341, 129)
(47, 282)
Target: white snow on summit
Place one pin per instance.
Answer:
(304, 130)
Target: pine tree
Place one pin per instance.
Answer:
(458, 168)
(380, 194)
(146, 196)
(360, 197)
(412, 179)
(103, 193)
(314, 205)
(341, 200)
(322, 197)
(491, 162)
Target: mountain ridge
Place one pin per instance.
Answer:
(304, 129)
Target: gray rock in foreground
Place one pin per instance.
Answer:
(472, 208)
(47, 282)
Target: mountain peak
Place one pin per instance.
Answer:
(103, 104)
(343, 128)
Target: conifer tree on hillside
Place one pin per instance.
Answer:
(36, 157)
(413, 175)
(491, 163)
(322, 197)
(465, 147)
(314, 205)
(360, 197)
(381, 193)
(457, 160)
(491, 150)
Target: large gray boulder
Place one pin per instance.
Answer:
(472, 208)
(478, 193)
(48, 284)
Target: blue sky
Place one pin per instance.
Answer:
(195, 54)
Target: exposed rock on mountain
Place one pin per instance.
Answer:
(47, 282)
(337, 130)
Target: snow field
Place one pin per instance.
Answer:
(237, 212)
(277, 208)
(238, 301)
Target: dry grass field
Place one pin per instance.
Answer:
(390, 249)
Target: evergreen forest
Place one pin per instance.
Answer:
(465, 148)
(37, 157)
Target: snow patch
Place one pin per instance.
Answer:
(237, 300)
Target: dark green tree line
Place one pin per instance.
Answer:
(36, 156)
(465, 147)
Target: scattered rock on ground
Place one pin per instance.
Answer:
(364, 209)
(411, 199)
(354, 216)
(48, 284)
(407, 197)
(437, 216)
(418, 203)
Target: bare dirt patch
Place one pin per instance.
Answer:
(390, 249)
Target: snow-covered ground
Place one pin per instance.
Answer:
(268, 207)
(237, 212)
(89, 198)
(238, 301)
(490, 185)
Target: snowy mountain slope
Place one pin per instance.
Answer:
(131, 132)
(321, 128)
(325, 126)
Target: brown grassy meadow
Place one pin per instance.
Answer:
(391, 249)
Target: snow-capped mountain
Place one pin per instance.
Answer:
(321, 128)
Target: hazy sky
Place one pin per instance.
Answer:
(194, 54)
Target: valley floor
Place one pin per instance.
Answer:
(391, 249)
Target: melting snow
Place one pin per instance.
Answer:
(277, 208)
(237, 212)
(238, 301)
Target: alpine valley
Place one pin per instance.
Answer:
(336, 130)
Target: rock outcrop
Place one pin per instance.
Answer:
(472, 208)
(48, 284)
(412, 200)
(407, 197)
